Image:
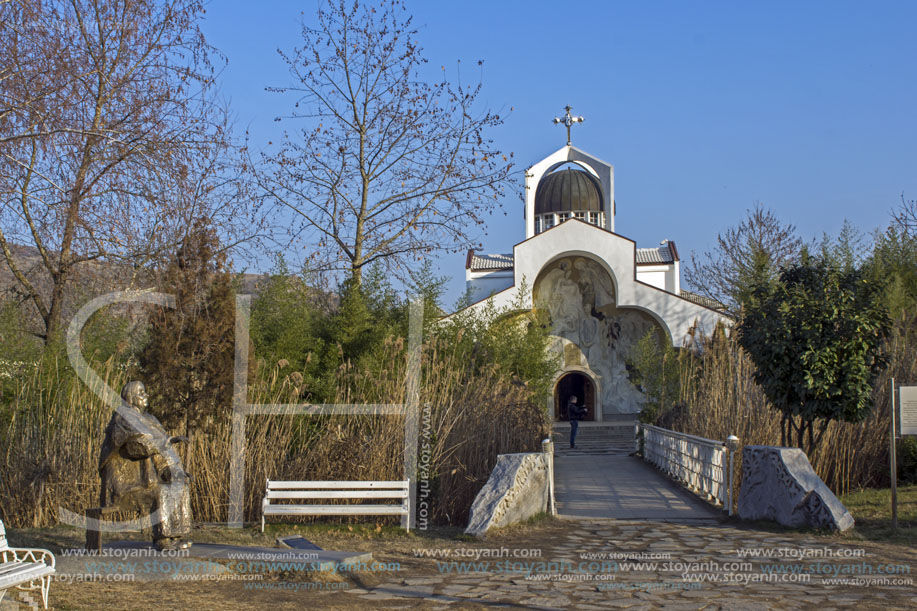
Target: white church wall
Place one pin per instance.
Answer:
(663, 277)
(484, 285)
(498, 301)
(616, 255)
(655, 276)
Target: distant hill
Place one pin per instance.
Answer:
(89, 280)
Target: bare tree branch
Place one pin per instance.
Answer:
(753, 251)
(112, 138)
(905, 217)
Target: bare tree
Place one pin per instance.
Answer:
(905, 217)
(111, 137)
(18, 39)
(387, 166)
(752, 252)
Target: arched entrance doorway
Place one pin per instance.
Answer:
(574, 384)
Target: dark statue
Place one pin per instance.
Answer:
(142, 472)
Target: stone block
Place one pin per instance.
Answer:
(779, 484)
(516, 490)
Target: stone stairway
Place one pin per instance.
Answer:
(614, 437)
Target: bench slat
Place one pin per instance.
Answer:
(340, 510)
(16, 573)
(12, 567)
(19, 567)
(337, 494)
(336, 485)
(314, 489)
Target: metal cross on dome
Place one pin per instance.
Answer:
(568, 120)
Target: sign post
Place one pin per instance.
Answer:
(907, 404)
(892, 460)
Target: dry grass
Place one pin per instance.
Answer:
(51, 430)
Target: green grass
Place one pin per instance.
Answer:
(872, 511)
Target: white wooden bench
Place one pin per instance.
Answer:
(286, 491)
(25, 569)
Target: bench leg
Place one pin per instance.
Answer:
(45, 586)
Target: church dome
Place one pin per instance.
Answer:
(567, 191)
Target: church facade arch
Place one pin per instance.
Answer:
(602, 293)
(577, 162)
(558, 398)
(590, 332)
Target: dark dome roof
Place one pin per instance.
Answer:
(568, 190)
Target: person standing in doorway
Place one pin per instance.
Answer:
(575, 413)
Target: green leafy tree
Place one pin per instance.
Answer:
(351, 327)
(188, 361)
(430, 288)
(515, 339)
(893, 263)
(368, 312)
(658, 372)
(286, 323)
(815, 336)
(849, 250)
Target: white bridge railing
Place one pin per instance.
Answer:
(699, 464)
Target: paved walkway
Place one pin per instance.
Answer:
(603, 564)
(623, 488)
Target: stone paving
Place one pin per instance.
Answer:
(680, 554)
(617, 564)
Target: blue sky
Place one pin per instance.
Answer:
(704, 108)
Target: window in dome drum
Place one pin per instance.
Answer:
(581, 216)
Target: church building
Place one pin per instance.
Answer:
(603, 294)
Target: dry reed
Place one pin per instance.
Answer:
(719, 397)
(52, 427)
